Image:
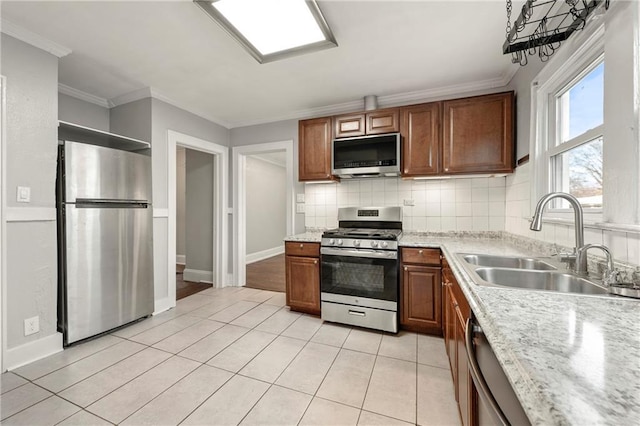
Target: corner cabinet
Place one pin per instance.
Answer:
(314, 149)
(456, 312)
(420, 129)
(302, 268)
(478, 134)
(420, 290)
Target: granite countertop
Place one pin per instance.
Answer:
(571, 359)
(309, 237)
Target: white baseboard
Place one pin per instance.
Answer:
(197, 276)
(264, 254)
(162, 305)
(181, 259)
(33, 351)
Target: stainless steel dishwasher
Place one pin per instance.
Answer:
(497, 402)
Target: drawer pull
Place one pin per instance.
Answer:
(315, 262)
(357, 313)
(301, 245)
(406, 269)
(420, 251)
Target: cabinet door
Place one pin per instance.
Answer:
(478, 134)
(420, 131)
(349, 125)
(463, 383)
(420, 299)
(383, 121)
(303, 284)
(314, 149)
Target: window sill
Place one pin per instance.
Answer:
(631, 229)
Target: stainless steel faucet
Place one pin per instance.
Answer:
(610, 276)
(536, 225)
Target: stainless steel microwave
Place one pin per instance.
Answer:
(366, 156)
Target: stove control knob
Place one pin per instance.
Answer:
(339, 242)
(356, 243)
(374, 244)
(332, 241)
(384, 244)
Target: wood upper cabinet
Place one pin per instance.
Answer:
(367, 123)
(302, 265)
(383, 121)
(349, 125)
(420, 129)
(420, 291)
(478, 134)
(314, 149)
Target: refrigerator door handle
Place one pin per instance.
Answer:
(104, 203)
(481, 385)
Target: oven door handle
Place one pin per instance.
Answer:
(391, 254)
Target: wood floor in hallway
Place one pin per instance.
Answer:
(187, 288)
(267, 274)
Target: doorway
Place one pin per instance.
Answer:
(219, 221)
(259, 256)
(195, 190)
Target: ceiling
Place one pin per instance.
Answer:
(397, 50)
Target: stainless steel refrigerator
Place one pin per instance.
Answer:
(105, 232)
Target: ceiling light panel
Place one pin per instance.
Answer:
(272, 29)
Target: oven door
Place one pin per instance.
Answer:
(359, 276)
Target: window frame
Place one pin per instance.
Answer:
(554, 79)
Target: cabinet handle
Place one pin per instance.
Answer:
(315, 262)
(406, 269)
(420, 251)
(446, 169)
(301, 245)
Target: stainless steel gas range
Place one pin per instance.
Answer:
(359, 268)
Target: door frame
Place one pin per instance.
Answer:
(220, 209)
(239, 159)
(3, 223)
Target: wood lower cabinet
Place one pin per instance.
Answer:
(302, 265)
(314, 150)
(420, 291)
(478, 134)
(421, 141)
(456, 312)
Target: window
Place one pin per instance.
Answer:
(576, 139)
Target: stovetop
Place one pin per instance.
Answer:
(363, 233)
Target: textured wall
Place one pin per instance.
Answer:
(31, 151)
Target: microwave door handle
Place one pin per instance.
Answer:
(481, 385)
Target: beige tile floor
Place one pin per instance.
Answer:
(236, 356)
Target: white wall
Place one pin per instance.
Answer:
(473, 204)
(31, 152)
(181, 186)
(86, 114)
(266, 205)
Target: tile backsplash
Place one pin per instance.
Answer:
(473, 204)
(624, 245)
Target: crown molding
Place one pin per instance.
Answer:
(406, 98)
(149, 92)
(83, 96)
(33, 39)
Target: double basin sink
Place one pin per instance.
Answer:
(526, 273)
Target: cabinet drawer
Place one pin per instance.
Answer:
(423, 256)
(294, 248)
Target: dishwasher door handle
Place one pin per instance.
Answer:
(478, 379)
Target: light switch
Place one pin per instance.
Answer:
(24, 194)
(300, 198)
(300, 208)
